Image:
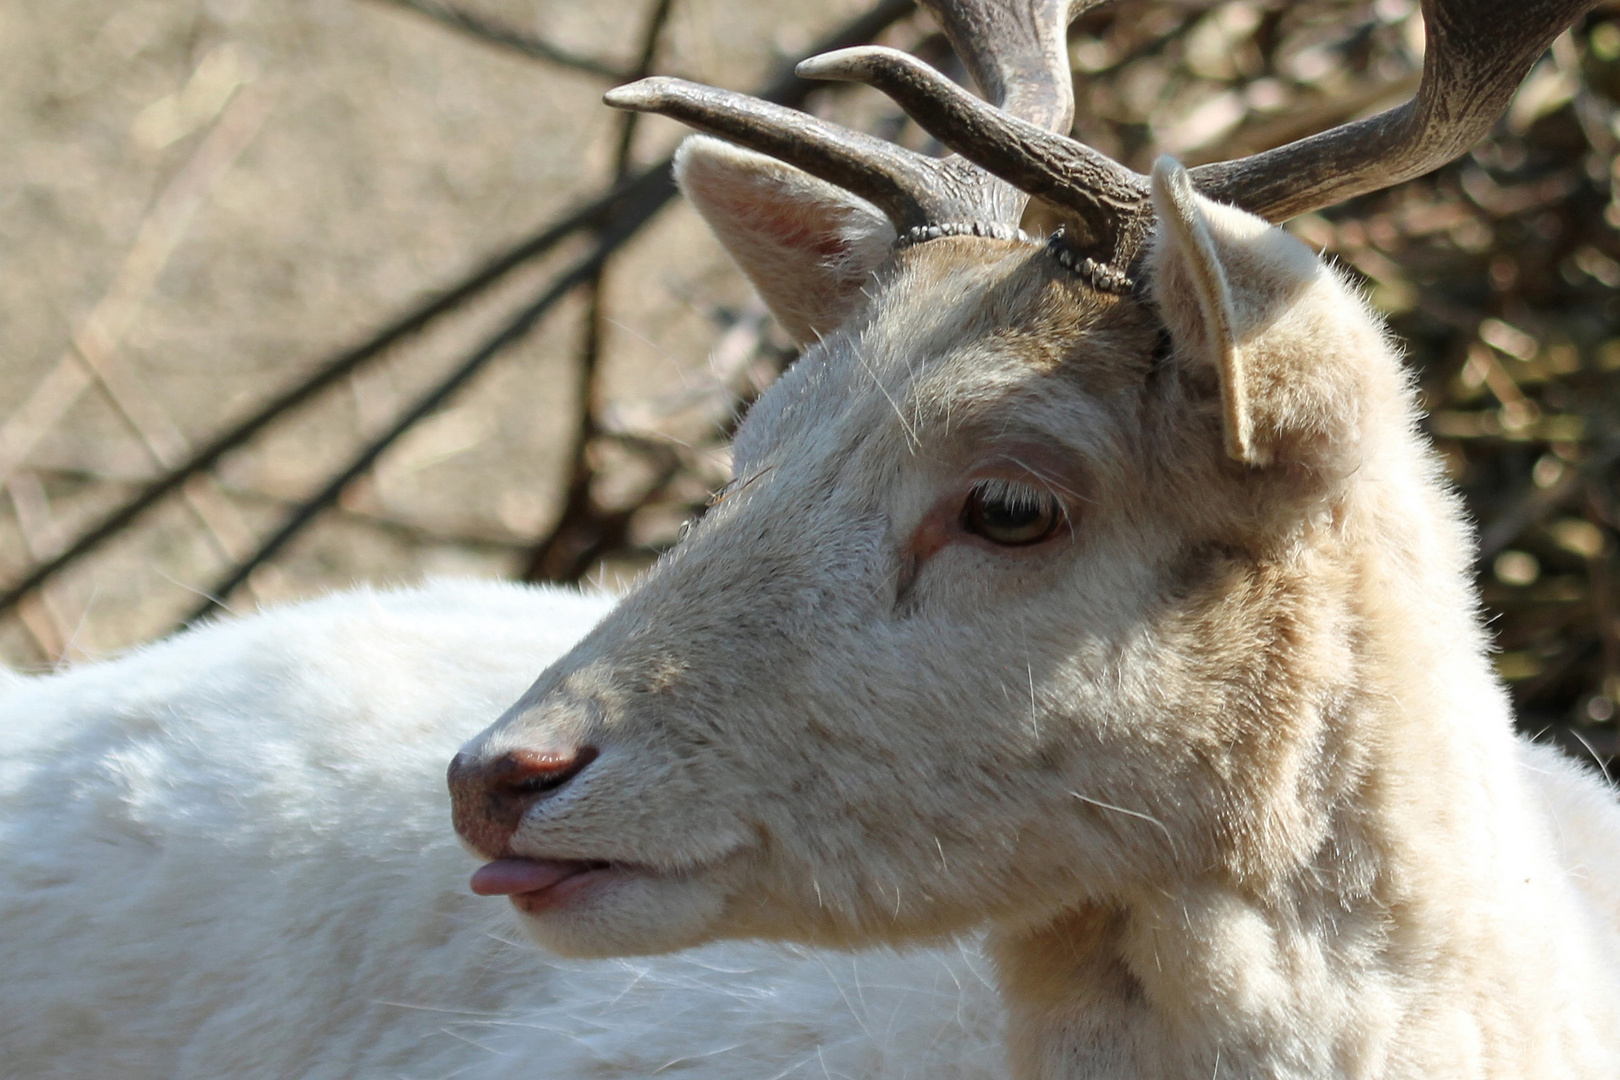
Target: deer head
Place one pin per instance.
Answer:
(1049, 574)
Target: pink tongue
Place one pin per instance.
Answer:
(506, 877)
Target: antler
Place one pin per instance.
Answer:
(1478, 52)
(1018, 53)
(1015, 51)
(1101, 194)
(913, 191)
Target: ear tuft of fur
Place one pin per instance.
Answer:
(806, 245)
(1296, 353)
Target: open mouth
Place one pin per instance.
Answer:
(535, 885)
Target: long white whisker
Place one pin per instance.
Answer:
(1129, 813)
(911, 432)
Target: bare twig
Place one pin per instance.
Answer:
(93, 358)
(40, 412)
(581, 532)
(623, 228)
(254, 490)
(40, 616)
(638, 198)
(1600, 571)
(649, 185)
(95, 342)
(505, 36)
(1537, 504)
(646, 58)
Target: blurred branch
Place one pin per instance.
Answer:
(92, 352)
(650, 188)
(624, 215)
(80, 467)
(626, 225)
(646, 58)
(500, 34)
(93, 359)
(1533, 507)
(651, 184)
(585, 531)
(40, 614)
(582, 533)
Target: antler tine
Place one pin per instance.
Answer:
(1019, 55)
(1017, 52)
(913, 191)
(1478, 52)
(1098, 190)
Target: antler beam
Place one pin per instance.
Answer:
(1038, 161)
(913, 191)
(1017, 54)
(1478, 52)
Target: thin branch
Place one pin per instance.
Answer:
(40, 613)
(638, 198)
(1531, 508)
(503, 35)
(272, 497)
(95, 341)
(623, 228)
(650, 185)
(581, 532)
(646, 58)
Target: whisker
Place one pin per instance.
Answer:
(1130, 813)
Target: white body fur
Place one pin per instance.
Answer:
(228, 855)
(1223, 763)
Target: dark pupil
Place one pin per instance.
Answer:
(1001, 515)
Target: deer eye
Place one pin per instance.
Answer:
(1011, 515)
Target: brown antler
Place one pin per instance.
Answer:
(1099, 193)
(913, 191)
(1016, 52)
(1479, 51)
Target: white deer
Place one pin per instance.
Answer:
(1100, 591)
(1128, 619)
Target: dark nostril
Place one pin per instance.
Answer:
(489, 798)
(527, 773)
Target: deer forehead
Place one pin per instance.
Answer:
(965, 343)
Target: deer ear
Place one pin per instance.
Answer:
(1291, 345)
(806, 245)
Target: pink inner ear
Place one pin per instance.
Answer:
(781, 223)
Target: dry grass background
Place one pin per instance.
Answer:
(201, 200)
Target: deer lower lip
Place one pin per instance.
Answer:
(534, 884)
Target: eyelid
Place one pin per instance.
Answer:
(1036, 467)
(1024, 486)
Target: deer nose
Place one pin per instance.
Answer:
(489, 798)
